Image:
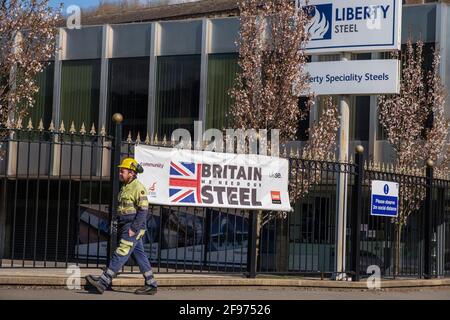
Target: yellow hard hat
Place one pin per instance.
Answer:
(131, 164)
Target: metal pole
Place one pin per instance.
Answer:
(440, 231)
(3, 196)
(428, 220)
(252, 242)
(115, 161)
(207, 236)
(341, 199)
(356, 211)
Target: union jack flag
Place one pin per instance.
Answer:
(185, 182)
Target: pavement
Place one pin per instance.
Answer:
(60, 277)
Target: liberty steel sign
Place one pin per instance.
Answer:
(353, 25)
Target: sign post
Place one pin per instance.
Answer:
(341, 200)
(347, 26)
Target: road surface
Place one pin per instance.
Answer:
(227, 293)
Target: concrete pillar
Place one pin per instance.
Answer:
(373, 121)
(443, 40)
(154, 51)
(341, 200)
(107, 38)
(59, 56)
(206, 35)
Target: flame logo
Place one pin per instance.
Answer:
(153, 187)
(318, 25)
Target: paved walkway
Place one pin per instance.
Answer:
(59, 278)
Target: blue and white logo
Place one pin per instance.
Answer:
(386, 189)
(320, 25)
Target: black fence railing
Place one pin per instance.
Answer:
(440, 238)
(56, 209)
(190, 239)
(378, 234)
(55, 194)
(303, 241)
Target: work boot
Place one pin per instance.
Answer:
(100, 284)
(95, 284)
(147, 289)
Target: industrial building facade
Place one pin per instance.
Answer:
(163, 75)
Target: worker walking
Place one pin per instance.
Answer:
(132, 217)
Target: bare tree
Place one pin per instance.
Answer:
(320, 147)
(272, 38)
(416, 127)
(27, 36)
(272, 58)
(271, 42)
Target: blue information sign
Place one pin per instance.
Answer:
(384, 199)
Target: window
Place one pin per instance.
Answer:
(427, 55)
(128, 93)
(42, 108)
(303, 124)
(80, 83)
(360, 118)
(361, 56)
(178, 90)
(222, 70)
(329, 57)
(381, 132)
(320, 104)
(43, 99)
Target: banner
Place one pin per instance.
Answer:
(178, 177)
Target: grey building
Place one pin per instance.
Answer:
(166, 66)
